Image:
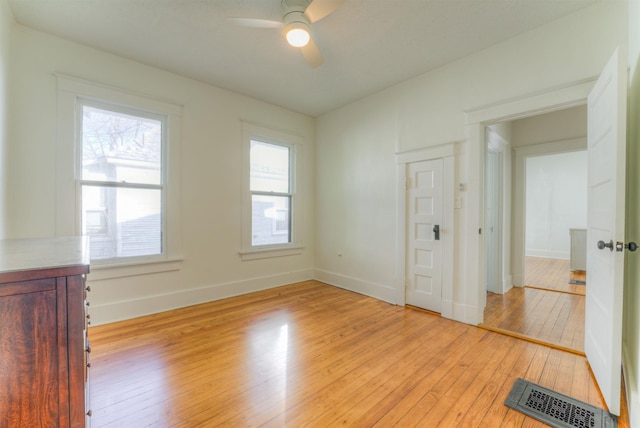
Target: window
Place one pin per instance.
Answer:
(118, 178)
(270, 209)
(270, 182)
(121, 172)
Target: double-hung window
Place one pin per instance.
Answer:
(270, 209)
(270, 183)
(118, 178)
(122, 179)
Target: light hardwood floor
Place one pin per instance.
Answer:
(310, 354)
(552, 274)
(548, 309)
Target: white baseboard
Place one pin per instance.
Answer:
(546, 254)
(368, 288)
(459, 312)
(133, 308)
(446, 310)
(507, 283)
(455, 311)
(631, 387)
(467, 314)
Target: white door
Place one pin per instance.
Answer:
(424, 252)
(606, 201)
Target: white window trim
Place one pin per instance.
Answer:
(68, 217)
(250, 132)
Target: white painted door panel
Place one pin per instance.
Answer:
(424, 252)
(606, 207)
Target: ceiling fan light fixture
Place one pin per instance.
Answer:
(297, 34)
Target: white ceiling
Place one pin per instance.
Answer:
(368, 45)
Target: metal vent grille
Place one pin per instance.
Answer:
(556, 409)
(560, 410)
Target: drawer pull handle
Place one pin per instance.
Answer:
(88, 288)
(89, 413)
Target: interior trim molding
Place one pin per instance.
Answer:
(433, 152)
(448, 153)
(533, 104)
(132, 308)
(368, 288)
(477, 119)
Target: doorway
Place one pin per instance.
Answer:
(549, 194)
(413, 167)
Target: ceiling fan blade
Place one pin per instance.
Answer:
(312, 54)
(256, 23)
(318, 9)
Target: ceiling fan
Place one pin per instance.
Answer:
(297, 17)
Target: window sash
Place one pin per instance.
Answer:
(130, 111)
(264, 230)
(125, 185)
(131, 222)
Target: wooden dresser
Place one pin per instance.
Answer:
(43, 324)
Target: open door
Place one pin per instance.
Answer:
(606, 139)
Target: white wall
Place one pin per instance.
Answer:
(556, 201)
(560, 125)
(356, 208)
(6, 24)
(211, 179)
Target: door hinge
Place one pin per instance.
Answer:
(480, 231)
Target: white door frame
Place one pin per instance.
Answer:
(446, 152)
(494, 221)
(473, 282)
(502, 205)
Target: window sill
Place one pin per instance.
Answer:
(121, 270)
(264, 253)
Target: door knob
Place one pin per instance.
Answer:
(436, 231)
(602, 245)
(631, 246)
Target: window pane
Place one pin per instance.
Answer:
(119, 147)
(269, 167)
(122, 222)
(270, 220)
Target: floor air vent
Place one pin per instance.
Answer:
(556, 409)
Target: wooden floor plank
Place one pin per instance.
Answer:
(314, 355)
(553, 274)
(553, 314)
